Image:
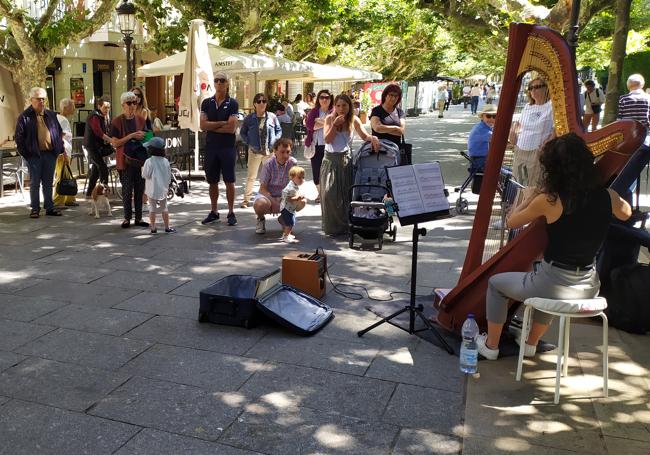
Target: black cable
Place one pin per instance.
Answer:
(356, 295)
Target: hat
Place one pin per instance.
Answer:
(220, 75)
(488, 109)
(155, 143)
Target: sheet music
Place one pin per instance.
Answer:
(418, 189)
(405, 190)
(432, 188)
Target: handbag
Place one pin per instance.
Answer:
(309, 151)
(67, 184)
(405, 153)
(135, 154)
(106, 150)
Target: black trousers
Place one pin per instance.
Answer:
(98, 170)
(132, 187)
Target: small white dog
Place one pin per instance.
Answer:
(99, 201)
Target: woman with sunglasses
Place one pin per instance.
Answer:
(142, 108)
(126, 127)
(259, 131)
(479, 138)
(387, 120)
(336, 172)
(315, 123)
(530, 132)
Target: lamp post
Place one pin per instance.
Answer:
(126, 17)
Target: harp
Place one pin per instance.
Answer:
(542, 50)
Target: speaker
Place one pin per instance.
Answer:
(306, 272)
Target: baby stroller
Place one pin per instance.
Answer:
(178, 185)
(475, 177)
(368, 216)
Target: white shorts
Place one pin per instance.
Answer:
(157, 206)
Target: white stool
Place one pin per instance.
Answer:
(565, 309)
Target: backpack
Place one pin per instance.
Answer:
(628, 299)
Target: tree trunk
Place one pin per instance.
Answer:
(31, 73)
(619, 42)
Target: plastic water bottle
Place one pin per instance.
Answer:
(468, 350)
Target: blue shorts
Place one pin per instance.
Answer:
(218, 162)
(287, 218)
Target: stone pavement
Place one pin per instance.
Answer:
(101, 351)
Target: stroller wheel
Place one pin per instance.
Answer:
(380, 241)
(394, 232)
(170, 192)
(351, 240)
(462, 206)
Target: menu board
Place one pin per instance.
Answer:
(419, 192)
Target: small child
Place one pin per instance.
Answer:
(290, 198)
(157, 174)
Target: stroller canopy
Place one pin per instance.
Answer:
(386, 147)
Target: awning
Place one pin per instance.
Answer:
(263, 66)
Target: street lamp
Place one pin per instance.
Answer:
(126, 17)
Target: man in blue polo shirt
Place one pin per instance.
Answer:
(479, 138)
(219, 119)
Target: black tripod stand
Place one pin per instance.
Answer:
(412, 308)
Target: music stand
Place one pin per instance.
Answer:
(419, 195)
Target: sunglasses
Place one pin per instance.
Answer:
(260, 101)
(324, 97)
(131, 103)
(490, 115)
(533, 87)
(221, 81)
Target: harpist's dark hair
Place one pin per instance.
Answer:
(568, 170)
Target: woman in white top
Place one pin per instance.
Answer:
(314, 122)
(300, 105)
(530, 133)
(66, 109)
(336, 169)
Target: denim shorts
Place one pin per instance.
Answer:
(287, 218)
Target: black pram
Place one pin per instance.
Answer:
(368, 215)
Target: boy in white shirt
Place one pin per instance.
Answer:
(157, 174)
(290, 196)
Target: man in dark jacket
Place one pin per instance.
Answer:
(39, 140)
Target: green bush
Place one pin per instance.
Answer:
(639, 62)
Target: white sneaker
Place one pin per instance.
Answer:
(529, 350)
(288, 239)
(260, 228)
(489, 354)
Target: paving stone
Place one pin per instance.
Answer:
(71, 273)
(290, 386)
(194, 287)
(423, 408)
(14, 333)
(12, 281)
(423, 364)
(171, 407)
(9, 359)
(192, 334)
(83, 348)
(83, 294)
(93, 319)
(209, 370)
(307, 431)
(424, 442)
(58, 384)
(21, 308)
(316, 351)
(4, 400)
(88, 258)
(30, 428)
(150, 441)
(626, 446)
(139, 264)
(29, 252)
(162, 304)
(143, 281)
(474, 445)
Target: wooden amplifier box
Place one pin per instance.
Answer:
(306, 272)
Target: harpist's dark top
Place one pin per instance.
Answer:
(575, 239)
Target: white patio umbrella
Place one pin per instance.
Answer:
(197, 84)
(477, 77)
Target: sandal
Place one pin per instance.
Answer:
(126, 224)
(34, 214)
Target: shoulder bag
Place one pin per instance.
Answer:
(67, 184)
(405, 152)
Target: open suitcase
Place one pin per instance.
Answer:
(245, 301)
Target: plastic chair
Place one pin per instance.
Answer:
(565, 309)
(17, 172)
